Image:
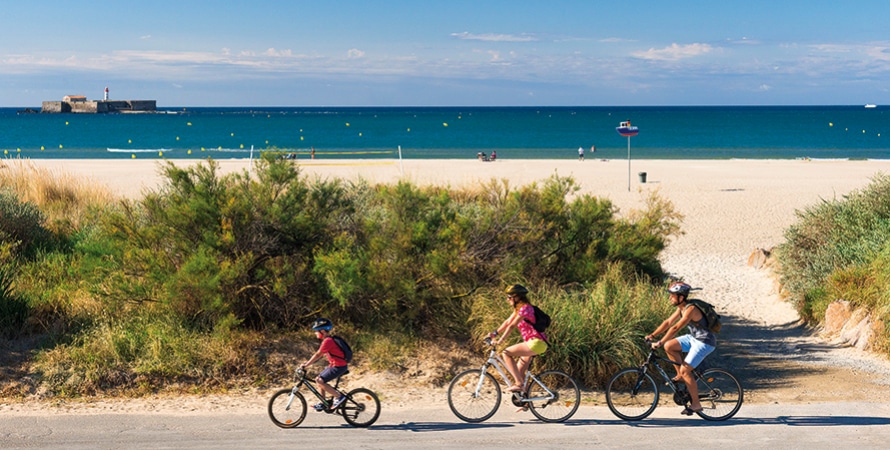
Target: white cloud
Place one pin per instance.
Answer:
(675, 52)
(278, 53)
(355, 53)
(492, 37)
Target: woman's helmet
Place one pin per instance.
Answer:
(322, 324)
(517, 289)
(680, 288)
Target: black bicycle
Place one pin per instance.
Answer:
(287, 407)
(633, 395)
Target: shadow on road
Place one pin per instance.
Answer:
(793, 421)
(758, 355)
(421, 427)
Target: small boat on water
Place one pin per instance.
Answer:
(871, 105)
(626, 129)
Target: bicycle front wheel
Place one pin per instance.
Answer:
(720, 394)
(474, 396)
(286, 410)
(554, 397)
(361, 408)
(632, 394)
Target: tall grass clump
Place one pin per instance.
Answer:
(839, 250)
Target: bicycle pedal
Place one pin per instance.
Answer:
(522, 409)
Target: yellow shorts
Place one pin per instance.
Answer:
(538, 346)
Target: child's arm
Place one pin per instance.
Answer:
(314, 358)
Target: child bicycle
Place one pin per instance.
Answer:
(633, 395)
(287, 407)
(475, 395)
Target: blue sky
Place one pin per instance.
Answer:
(443, 53)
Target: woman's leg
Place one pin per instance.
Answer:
(519, 351)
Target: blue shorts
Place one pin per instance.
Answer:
(333, 372)
(695, 349)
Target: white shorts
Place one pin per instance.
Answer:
(695, 349)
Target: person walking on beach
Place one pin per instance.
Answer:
(698, 344)
(534, 342)
(337, 363)
(580, 153)
(313, 153)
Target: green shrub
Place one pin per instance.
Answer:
(839, 250)
(21, 223)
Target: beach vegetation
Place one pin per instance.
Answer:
(840, 249)
(209, 280)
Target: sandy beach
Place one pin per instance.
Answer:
(731, 208)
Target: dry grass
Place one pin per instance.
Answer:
(63, 197)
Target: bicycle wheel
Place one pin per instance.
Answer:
(361, 408)
(632, 394)
(720, 394)
(287, 411)
(474, 396)
(563, 402)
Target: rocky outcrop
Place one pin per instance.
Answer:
(848, 326)
(760, 258)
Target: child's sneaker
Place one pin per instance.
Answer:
(338, 402)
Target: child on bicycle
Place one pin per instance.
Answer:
(337, 364)
(700, 341)
(534, 342)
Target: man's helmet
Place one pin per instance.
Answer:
(517, 289)
(680, 289)
(322, 324)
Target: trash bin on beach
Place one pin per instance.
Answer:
(642, 177)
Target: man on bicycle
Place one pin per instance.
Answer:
(337, 364)
(698, 344)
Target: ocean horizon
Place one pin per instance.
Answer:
(666, 132)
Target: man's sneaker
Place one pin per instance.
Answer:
(319, 406)
(338, 402)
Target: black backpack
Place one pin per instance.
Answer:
(344, 347)
(709, 312)
(542, 320)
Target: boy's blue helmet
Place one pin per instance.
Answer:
(322, 324)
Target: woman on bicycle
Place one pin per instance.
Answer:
(700, 341)
(534, 342)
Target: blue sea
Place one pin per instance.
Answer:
(681, 132)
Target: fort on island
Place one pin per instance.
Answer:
(80, 104)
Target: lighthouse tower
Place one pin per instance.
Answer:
(106, 93)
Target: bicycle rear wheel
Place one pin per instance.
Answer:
(286, 411)
(474, 396)
(561, 404)
(361, 408)
(720, 394)
(632, 394)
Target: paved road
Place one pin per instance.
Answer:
(810, 426)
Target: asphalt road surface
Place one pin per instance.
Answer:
(806, 426)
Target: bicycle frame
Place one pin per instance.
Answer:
(300, 379)
(494, 360)
(652, 360)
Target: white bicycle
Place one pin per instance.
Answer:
(475, 395)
